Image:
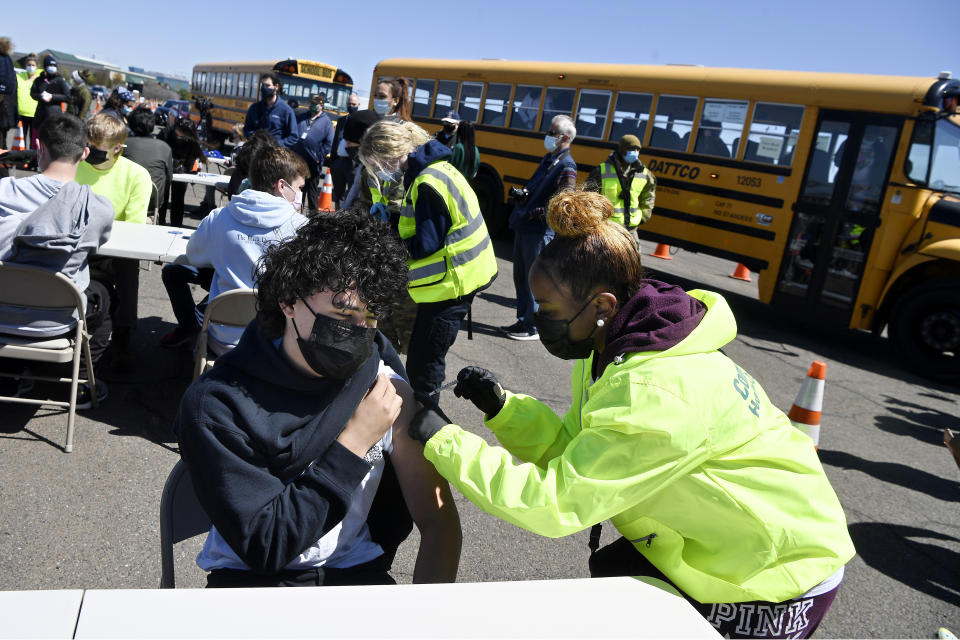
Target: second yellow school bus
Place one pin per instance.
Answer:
(841, 190)
(233, 86)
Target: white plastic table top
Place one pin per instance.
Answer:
(207, 179)
(145, 242)
(607, 608)
(39, 614)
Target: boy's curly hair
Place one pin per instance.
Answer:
(349, 249)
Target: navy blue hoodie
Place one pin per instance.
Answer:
(431, 215)
(259, 440)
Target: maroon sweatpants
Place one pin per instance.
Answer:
(758, 619)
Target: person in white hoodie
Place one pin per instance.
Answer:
(223, 252)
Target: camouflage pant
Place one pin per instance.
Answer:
(398, 326)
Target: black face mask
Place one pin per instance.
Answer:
(354, 154)
(335, 349)
(353, 108)
(449, 129)
(555, 336)
(267, 93)
(97, 156)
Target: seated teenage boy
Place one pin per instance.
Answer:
(231, 240)
(50, 221)
(297, 442)
(128, 186)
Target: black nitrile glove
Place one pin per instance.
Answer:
(428, 420)
(480, 387)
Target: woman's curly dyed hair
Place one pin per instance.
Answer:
(349, 249)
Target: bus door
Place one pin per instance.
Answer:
(836, 213)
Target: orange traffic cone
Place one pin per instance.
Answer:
(18, 143)
(98, 107)
(325, 202)
(805, 412)
(741, 273)
(662, 251)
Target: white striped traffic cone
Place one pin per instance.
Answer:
(805, 412)
(18, 142)
(325, 202)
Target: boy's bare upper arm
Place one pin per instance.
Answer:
(424, 489)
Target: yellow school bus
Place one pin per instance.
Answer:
(841, 190)
(232, 87)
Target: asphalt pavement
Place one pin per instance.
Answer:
(89, 519)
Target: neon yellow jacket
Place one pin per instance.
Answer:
(26, 106)
(683, 451)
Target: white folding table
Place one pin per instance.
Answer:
(595, 608)
(145, 242)
(39, 614)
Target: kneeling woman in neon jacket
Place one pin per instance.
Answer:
(709, 484)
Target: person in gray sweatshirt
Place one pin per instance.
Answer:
(49, 221)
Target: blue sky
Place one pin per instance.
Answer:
(899, 37)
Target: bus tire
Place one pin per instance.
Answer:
(489, 192)
(924, 329)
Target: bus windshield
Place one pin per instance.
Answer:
(938, 166)
(302, 89)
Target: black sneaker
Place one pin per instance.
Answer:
(513, 328)
(85, 398)
(523, 333)
(179, 337)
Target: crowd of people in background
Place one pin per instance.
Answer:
(313, 446)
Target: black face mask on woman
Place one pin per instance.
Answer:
(555, 336)
(335, 349)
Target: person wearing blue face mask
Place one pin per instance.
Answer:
(451, 256)
(557, 172)
(627, 183)
(271, 113)
(120, 103)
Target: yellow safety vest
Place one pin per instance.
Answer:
(375, 194)
(610, 187)
(26, 106)
(466, 261)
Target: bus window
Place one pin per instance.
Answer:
(558, 102)
(422, 95)
(672, 122)
(630, 116)
(446, 97)
(721, 125)
(873, 157)
(945, 172)
(495, 105)
(825, 159)
(229, 88)
(592, 113)
(469, 106)
(773, 133)
(526, 105)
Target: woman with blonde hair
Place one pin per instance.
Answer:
(450, 254)
(714, 492)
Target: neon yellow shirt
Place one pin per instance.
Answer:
(126, 184)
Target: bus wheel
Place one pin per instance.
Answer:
(490, 197)
(925, 329)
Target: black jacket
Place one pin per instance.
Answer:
(259, 440)
(54, 85)
(8, 88)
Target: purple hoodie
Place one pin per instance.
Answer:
(657, 317)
